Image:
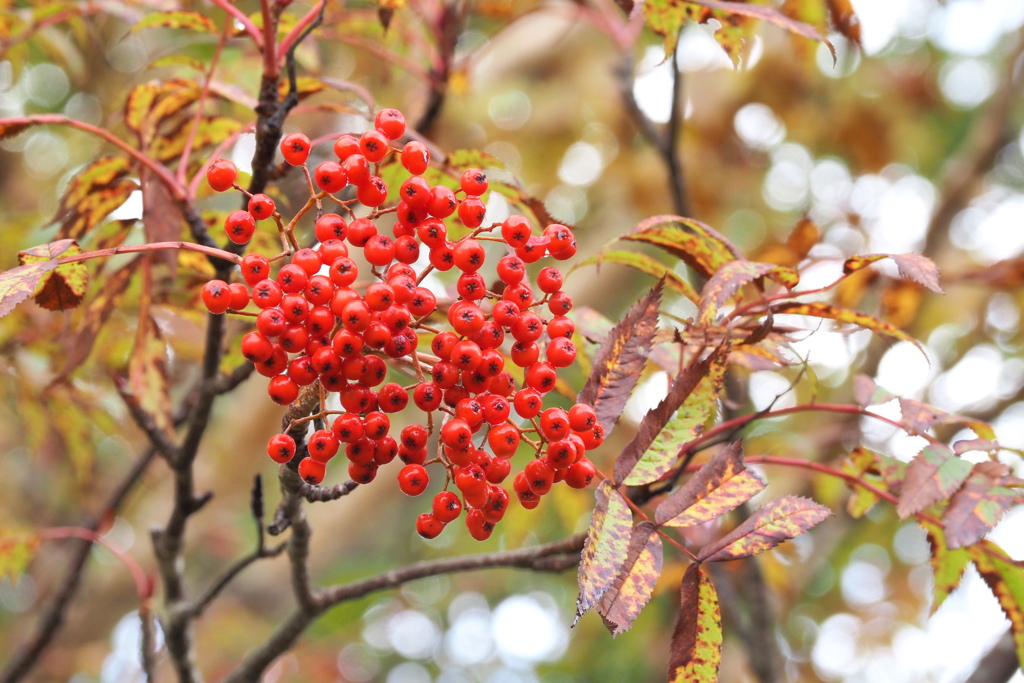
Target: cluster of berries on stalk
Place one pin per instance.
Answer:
(338, 320)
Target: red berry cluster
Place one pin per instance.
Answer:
(321, 324)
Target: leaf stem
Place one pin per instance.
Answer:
(153, 246)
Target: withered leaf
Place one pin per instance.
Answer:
(844, 19)
(629, 594)
(696, 651)
(605, 548)
(620, 360)
(915, 267)
(698, 245)
(779, 520)
(979, 504)
(62, 287)
(93, 194)
(722, 484)
(933, 475)
(728, 280)
(655, 420)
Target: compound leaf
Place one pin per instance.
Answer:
(933, 475)
(605, 549)
(780, 520)
(696, 651)
(688, 422)
(720, 485)
(700, 246)
(620, 360)
(625, 599)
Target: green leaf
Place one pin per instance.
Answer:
(780, 520)
(655, 420)
(1005, 577)
(688, 422)
(193, 21)
(17, 284)
(843, 315)
(462, 159)
(605, 549)
(625, 599)
(979, 504)
(915, 267)
(731, 277)
(646, 264)
(621, 358)
(720, 485)
(933, 475)
(64, 286)
(947, 565)
(696, 651)
(700, 246)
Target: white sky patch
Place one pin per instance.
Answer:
(758, 127)
(971, 382)
(528, 631)
(966, 83)
(904, 370)
(581, 165)
(991, 227)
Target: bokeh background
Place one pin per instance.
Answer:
(911, 142)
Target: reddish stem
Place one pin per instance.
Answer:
(153, 246)
(187, 151)
(143, 583)
(243, 19)
(286, 42)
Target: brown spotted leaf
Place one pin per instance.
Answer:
(879, 472)
(620, 360)
(698, 245)
(770, 15)
(629, 594)
(779, 520)
(1005, 578)
(655, 420)
(17, 284)
(915, 267)
(64, 286)
(91, 196)
(16, 552)
(844, 19)
(193, 21)
(933, 475)
(605, 548)
(689, 421)
(646, 264)
(696, 651)
(722, 484)
(211, 130)
(979, 504)
(728, 280)
(822, 310)
(947, 565)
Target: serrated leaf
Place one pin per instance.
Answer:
(867, 393)
(211, 130)
(979, 504)
(461, 159)
(688, 422)
(698, 245)
(779, 520)
(629, 594)
(93, 194)
(193, 21)
(655, 420)
(17, 284)
(947, 565)
(16, 552)
(915, 267)
(722, 484)
(933, 475)
(880, 471)
(770, 15)
(646, 264)
(728, 280)
(696, 651)
(844, 315)
(1005, 577)
(844, 19)
(621, 358)
(64, 286)
(605, 549)
(667, 18)
(148, 104)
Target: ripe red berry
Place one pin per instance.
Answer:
(541, 376)
(330, 176)
(516, 231)
(469, 255)
(582, 417)
(504, 440)
(561, 326)
(330, 226)
(528, 402)
(415, 157)
(413, 479)
(292, 278)
(580, 474)
(322, 445)
(479, 528)
(261, 206)
(282, 390)
(221, 174)
(473, 182)
(390, 122)
(216, 295)
(312, 471)
(255, 267)
(561, 352)
(446, 506)
(281, 448)
(266, 293)
(240, 226)
(428, 526)
(373, 145)
(373, 192)
(442, 202)
(549, 280)
(295, 148)
(357, 168)
(256, 348)
(472, 212)
(346, 146)
(379, 250)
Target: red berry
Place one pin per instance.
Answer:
(346, 146)
(379, 250)
(580, 474)
(469, 255)
(216, 295)
(330, 176)
(479, 528)
(390, 122)
(357, 168)
(239, 296)
(266, 293)
(373, 192)
(221, 174)
(446, 506)
(561, 326)
(415, 157)
(312, 471)
(373, 145)
(582, 417)
(561, 352)
(413, 480)
(541, 376)
(292, 278)
(442, 202)
(261, 206)
(428, 526)
(472, 212)
(528, 403)
(281, 448)
(322, 445)
(295, 148)
(473, 182)
(255, 267)
(504, 440)
(240, 226)
(282, 390)
(549, 280)
(256, 348)
(516, 230)
(330, 226)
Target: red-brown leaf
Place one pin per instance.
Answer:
(620, 360)
(728, 280)
(1005, 577)
(605, 549)
(720, 485)
(625, 599)
(696, 652)
(915, 267)
(17, 284)
(933, 475)
(780, 520)
(64, 286)
(979, 504)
